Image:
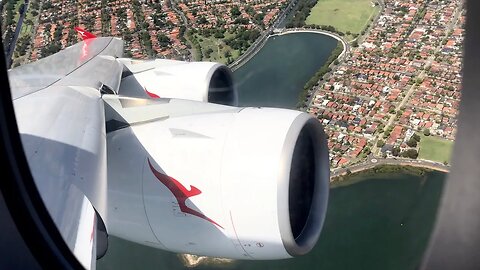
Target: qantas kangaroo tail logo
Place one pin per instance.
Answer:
(150, 94)
(181, 193)
(84, 33)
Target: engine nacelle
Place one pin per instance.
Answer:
(198, 81)
(242, 183)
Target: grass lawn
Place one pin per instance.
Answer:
(435, 148)
(219, 49)
(344, 15)
(17, 9)
(27, 29)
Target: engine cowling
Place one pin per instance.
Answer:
(198, 81)
(242, 183)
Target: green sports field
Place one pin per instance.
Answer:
(344, 15)
(434, 148)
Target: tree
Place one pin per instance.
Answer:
(426, 132)
(163, 40)
(219, 34)
(48, 27)
(396, 151)
(410, 153)
(416, 137)
(250, 10)
(202, 20)
(34, 5)
(235, 11)
(208, 52)
(412, 142)
(243, 21)
(380, 143)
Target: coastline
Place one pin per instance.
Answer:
(337, 177)
(286, 31)
(192, 261)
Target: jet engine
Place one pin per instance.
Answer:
(213, 180)
(199, 81)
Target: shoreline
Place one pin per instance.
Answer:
(192, 261)
(337, 176)
(260, 42)
(244, 58)
(287, 31)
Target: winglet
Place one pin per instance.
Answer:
(84, 34)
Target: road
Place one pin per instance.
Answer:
(258, 44)
(179, 12)
(13, 42)
(369, 25)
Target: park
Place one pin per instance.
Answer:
(351, 16)
(435, 148)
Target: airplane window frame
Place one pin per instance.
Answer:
(45, 242)
(455, 239)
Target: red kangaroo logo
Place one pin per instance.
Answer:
(181, 193)
(150, 94)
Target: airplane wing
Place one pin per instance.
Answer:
(174, 166)
(60, 116)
